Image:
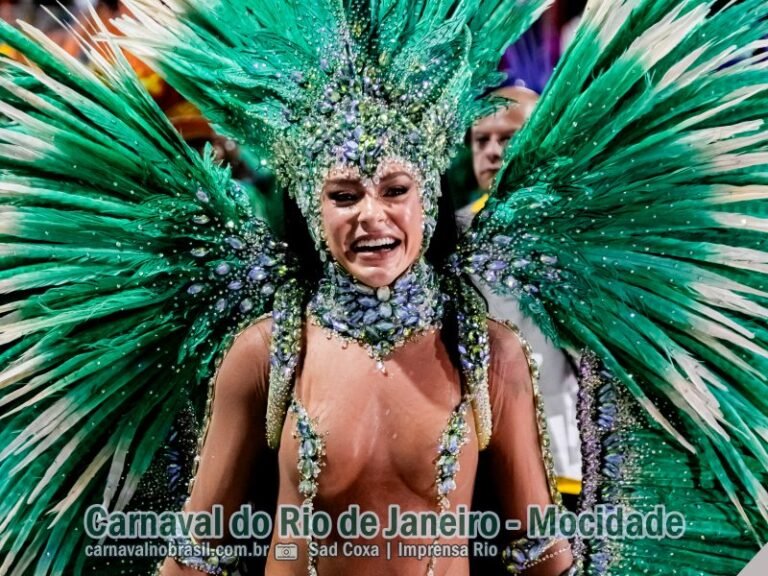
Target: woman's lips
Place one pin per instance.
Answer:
(376, 254)
(375, 245)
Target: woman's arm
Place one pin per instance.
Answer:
(516, 454)
(236, 436)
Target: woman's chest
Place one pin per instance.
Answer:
(375, 431)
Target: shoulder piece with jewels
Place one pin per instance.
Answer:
(629, 220)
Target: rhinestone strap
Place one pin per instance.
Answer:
(452, 440)
(310, 461)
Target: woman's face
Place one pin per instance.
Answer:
(373, 227)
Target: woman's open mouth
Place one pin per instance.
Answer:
(375, 245)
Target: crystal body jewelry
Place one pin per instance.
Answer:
(312, 450)
(380, 319)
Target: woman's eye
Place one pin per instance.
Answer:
(342, 197)
(396, 190)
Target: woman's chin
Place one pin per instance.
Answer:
(375, 277)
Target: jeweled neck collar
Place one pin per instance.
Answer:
(380, 319)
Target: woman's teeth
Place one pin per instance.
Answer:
(375, 245)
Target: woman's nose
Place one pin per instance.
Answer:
(371, 209)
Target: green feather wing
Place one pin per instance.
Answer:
(634, 468)
(630, 219)
(127, 262)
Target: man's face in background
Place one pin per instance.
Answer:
(490, 135)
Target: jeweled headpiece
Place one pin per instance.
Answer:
(335, 83)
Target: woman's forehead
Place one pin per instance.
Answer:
(386, 168)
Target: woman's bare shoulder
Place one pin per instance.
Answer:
(511, 367)
(257, 336)
(507, 344)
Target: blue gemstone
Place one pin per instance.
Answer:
(538, 549)
(339, 326)
(497, 265)
(235, 243)
(355, 317)
(246, 306)
(222, 268)
(518, 556)
(256, 274)
(368, 302)
(235, 285)
(478, 258)
(195, 289)
(370, 316)
(401, 313)
(308, 448)
(611, 471)
(385, 310)
(447, 486)
(615, 459)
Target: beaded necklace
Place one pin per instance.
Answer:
(380, 319)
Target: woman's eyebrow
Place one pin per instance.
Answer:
(391, 175)
(342, 182)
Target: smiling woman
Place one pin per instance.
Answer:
(132, 277)
(373, 226)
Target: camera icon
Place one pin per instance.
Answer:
(286, 551)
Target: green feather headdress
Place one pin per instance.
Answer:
(335, 82)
